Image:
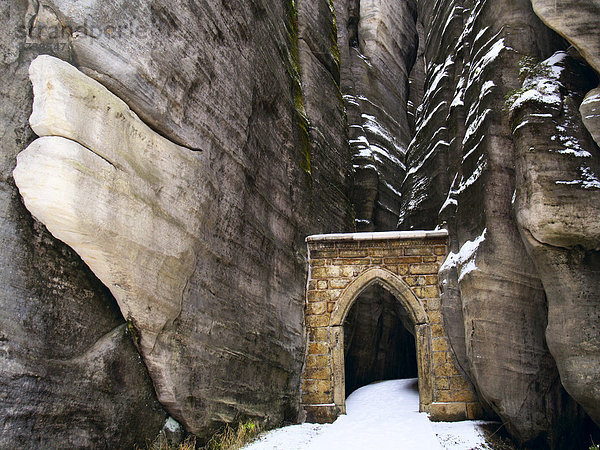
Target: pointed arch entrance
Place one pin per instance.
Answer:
(405, 264)
(419, 321)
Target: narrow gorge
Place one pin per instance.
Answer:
(163, 163)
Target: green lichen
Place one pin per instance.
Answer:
(292, 62)
(133, 332)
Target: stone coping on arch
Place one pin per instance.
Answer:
(378, 235)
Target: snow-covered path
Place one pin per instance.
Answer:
(380, 416)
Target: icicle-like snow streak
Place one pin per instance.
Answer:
(588, 180)
(464, 260)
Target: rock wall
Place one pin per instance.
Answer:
(70, 375)
(186, 176)
(186, 149)
(511, 303)
(377, 42)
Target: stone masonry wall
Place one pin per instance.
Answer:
(341, 267)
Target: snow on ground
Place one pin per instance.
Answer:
(383, 415)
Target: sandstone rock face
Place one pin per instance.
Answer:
(135, 236)
(189, 147)
(70, 375)
(460, 174)
(201, 244)
(378, 44)
(579, 23)
(557, 192)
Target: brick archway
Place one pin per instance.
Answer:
(421, 330)
(341, 267)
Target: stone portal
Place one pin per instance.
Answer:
(406, 264)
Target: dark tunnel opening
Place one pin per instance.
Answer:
(378, 340)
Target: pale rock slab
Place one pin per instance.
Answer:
(590, 113)
(127, 206)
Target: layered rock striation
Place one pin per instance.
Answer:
(186, 177)
(510, 301)
(184, 151)
(378, 44)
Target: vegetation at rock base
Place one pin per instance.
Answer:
(229, 438)
(234, 439)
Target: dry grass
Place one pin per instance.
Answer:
(234, 439)
(227, 439)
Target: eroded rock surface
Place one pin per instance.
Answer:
(70, 375)
(378, 43)
(202, 245)
(579, 23)
(557, 192)
(222, 133)
(460, 174)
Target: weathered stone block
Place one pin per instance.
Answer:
(318, 296)
(318, 334)
(339, 283)
(416, 281)
(377, 252)
(427, 292)
(347, 272)
(460, 383)
(403, 260)
(347, 245)
(317, 321)
(445, 370)
(321, 413)
(418, 251)
(316, 397)
(440, 358)
(323, 254)
(401, 269)
(440, 251)
(317, 361)
(432, 280)
(456, 396)
(440, 344)
(351, 262)
(322, 284)
(422, 269)
(316, 308)
(325, 272)
(437, 330)
(442, 383)
(316, 386)
(318, 348)
(447, 412)
(434, 304)
(334, 294)
(317, 373)
(474, 411)
(435, 317)
(358, 253)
